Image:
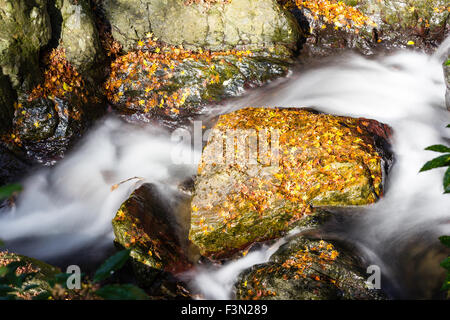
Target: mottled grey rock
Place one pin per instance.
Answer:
(79, 36)
(241, 23)
(24, 30)
(419, 24)
(306, 269)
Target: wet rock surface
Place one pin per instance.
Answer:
(307, 269)
(170, 85)
(391, 24)
(244, 194)
(144, 224)
(7, 99)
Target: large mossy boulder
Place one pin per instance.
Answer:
(216, 26)
(40, 273)
(263, 171)
(167, 84)
(305, 269)
(79, 37)
(24, 29)
(145, 225)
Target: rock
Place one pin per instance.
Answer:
(305, 269)
(7, 99)
(79, 37)
(247, 191)
(399, 22)
(392, 24)
(249, 23)
(49, 119)
(24, 30)
(40, 272)
(170, 84)
(45, 128)
(144, 224)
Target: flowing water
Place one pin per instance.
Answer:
(69, 208)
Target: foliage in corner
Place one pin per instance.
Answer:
(439, 162)
(19, 281)
(442, 161)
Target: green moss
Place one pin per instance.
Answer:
(306, 269)
(324, 161)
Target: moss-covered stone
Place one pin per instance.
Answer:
(420, 24)
(169, 83)
(79, 37)
(24, 30)
(263, 171)
(219, 26)
(306, 269)
(143, 224)
(41, 273)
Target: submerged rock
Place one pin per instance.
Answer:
(217, 26)
(264, 170)
(305, 269)
(24, 30)
(144, 224)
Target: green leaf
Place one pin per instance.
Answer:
(438, 162)
(447, 63)
(446, 285)
(445, 240)
(438, 148)
(111, 265)
(122, 292)
(446, 263)
(447, 181)
(8, 190)
(3, 271)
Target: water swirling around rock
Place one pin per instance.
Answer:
(69, 208)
